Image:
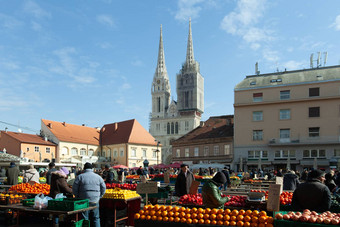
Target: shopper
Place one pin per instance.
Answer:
(225, 171)
(52, 169)
(89, 185)
(12, 174)
(31, 175)
(59, 183)
(110, 175)
(329, 182)
(211, 194)
(312, 194)
(290, 181)
(184, 181)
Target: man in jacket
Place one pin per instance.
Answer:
(59, 183)
(110, 175)
(225, 171)
(91, 186)
(184, 181)
(312, 194)
(211, 194)
(290, 181)
(12, 174)
(52, 169)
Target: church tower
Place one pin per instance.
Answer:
(190, 84)
(160, 88)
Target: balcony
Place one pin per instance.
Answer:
(300, 141)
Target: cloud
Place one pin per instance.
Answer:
(9, 22)
(10, 100)
(35, 10)
(270, 55)
(10, 65)
(36, 26)
(336, 24)
(187, 9)
(291, 65)
(105, 20)
(243, 22)
(105, 45)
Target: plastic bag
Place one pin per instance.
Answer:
(60, 196)
(41, 201)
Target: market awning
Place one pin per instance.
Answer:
(311, 162)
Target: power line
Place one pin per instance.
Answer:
(18, 126)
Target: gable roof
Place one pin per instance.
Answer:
(214, 127)
(28, 138)
(130, 131)
(73, 133)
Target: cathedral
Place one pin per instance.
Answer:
(172, 119)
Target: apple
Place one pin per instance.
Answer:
(278, 216)
(303, 218)
(335, 222)
(327, 221)
(312, 219)
(286, 217)
(295, 218)
(319, 220)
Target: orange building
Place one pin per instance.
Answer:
(28, 146)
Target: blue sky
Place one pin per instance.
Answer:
(92, 62)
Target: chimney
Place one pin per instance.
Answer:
(64, 123)
(6, 129)
(49, 125)
(115, 126)
(201, 123)
(82, 124)
(45, 137)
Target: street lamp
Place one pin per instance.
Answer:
(157, 149)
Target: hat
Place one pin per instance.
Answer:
(219, 178)
(12, 164)
(88, 165)
(316, 173)
(107, 166)
(65, 170)
(51, 165)
(183, 165)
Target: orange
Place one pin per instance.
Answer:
(176, 214)
(154, 218)
(194, 215)
(183, 220)
(182, 209)
(142, 217)
(240, 217)
(234, 213)
(213, 222)
(188, 216)
(270, 220)
(201, 221)
(146, 207)
(157, 207)
(182, 215)
(137, 215)
(263, 213)
(220, 211)
(151, 207)
(262, 219)
(212, 216)
(269, 225)
(249, 212)
(177, 219)
(213, 211)
(247, 224)
(194, 210)
(253, 224)
(233, 223)
(207, 210)
(242, 212)
(254, 219)
(188, 210)
(171, 219)
(227, 211)
(207, 222)
(189, 221)
(141, 212)
(200, 216)
(194, 221)
(255, 212)
(162, 208)
(206, 216)
(226, 217)
(219, 217)
(160, 218)
(226, 223)
(240, 223)
(219, 222)
(146, 212)
(165, 219)
(233, 218)
(165, 213)
(175, 209)
(158, 213)
(262, 225)
(170, 213)
(200, 210)
(148, 217)
(169, 208)
(247, 218)
(152, 212)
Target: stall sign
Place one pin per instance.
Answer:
(147, 188)
(273, 202)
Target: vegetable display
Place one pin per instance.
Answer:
(311, 217)
(122, 186)
(31, 189)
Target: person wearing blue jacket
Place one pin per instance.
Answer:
(91, 186)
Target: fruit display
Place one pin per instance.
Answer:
(285, 197)
(10, 199)
(310, 216)
(31, 189)
(252, 181)
(191, 199)
(206, 216)
(42, 180)
(236, 201)
(132, 177)
(118, 193)
(122, 186)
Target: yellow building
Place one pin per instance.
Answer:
(289, 118)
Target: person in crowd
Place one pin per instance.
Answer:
(211, 171)
(329, 182)
(31, 175)
(290, 181)
(59, 183)
(184, 181)
(279, 173)
(110, 175)
(211, 194)
(304, 175)
(2, 172)
(79, 171)
(52, 169)
(200, 172)
(91, 186)
(225, 171)
(12, 174)
(312, 194)
(140, 171)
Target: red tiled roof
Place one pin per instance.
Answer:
(214, 127)
(28, 138)
(126, 132)
(73, 133)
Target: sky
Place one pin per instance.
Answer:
(92, 61)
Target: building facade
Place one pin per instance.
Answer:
(211, 142)
(288, 119)
(172, 119)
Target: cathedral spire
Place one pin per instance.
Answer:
(190, 48)
(161, 68)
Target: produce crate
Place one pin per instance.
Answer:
(28, 202)
(286, 223)
(68, 204)
(81, 223)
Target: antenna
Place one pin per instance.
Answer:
(257, 72)
(318, 61)
(325, 60)
(311, 60)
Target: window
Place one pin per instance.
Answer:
(257, 116)
(158, 127)
(227, 149)
(257, 135)
(284, 135)
(154, 154)
(168, 128)
(172, 128)
(27, 149)
(257, 97)
(314, 112)
(103, 153)
(187, 152)
(64, 151)
(82, 151)
(115, 153)
(144, 153)
(74, 151)
(133, 152)
(48, 150)
(158, 103)
(314, 153)
(257, 154)
(314, 132)
(216, 150)
(186, 99)
(284, 114)
(36, 149)
(186, 125)
(337, 152)
(314, 92)
(176, 128)
(196, 151)
(178, 153)
(91, 151)
(206, 151)
(284, 153)
(285, 95)
(109, 152)
(121, 151)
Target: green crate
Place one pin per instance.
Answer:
(68, 204)
(81, 223)
(28, 202)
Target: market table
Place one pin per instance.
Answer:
(19, 208)
(113, 205)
